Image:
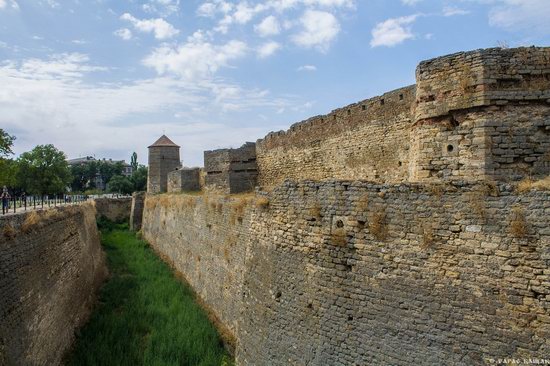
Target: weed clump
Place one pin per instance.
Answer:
(518, 223)
(377, 224)
(527, 185)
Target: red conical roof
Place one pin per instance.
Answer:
(164, 141)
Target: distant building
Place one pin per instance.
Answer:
(99, 182)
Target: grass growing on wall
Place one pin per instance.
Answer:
(145, 316)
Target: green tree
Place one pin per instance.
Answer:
(120, 184)
(8, 167)
(134, 162)
(6, 142)
(108, 169)
(44, 170)
(8, 172)
(139, 178)
(83, 176)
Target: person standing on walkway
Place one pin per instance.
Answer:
(5, 200)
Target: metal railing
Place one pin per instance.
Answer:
(23, 203)
(20, 203)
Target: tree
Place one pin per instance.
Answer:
(139, 178)
(108, 169)
(6, 142)
(8, 167)
(8, 172)
(43, 170)
(83, 176)
(133, 162)
(120, 184)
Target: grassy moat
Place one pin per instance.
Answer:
(145, 316)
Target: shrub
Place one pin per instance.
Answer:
(529, 184)
(518, 223)
(262, 202)
(377, 225)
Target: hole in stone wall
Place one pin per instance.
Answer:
(278, 294)
(364, 107)
(335, 117)
(450, 148)
(382, 102)
(349, 112)
(339, 224)
(345, 187)
(400, 163)
(310, 306)
(350, 318)
(400, 96)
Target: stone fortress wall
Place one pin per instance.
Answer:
(390, 231)
(51, 267)
(472, 115)
(355, 273)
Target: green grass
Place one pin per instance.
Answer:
(145, 316)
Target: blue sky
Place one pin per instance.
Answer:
(106, 77)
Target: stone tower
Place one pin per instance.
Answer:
(164, 157)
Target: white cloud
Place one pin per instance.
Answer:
(4, 4)
(410, 2)
(307, 68)
(268, 27)
(206, 10)
(58, 66)
(88, 118)
(393, 31)
(521, 15)
(449, 11)
(162, 7)
(319, 29)
(123, 33)
(268, 49)
(194, 59)
(160, 27)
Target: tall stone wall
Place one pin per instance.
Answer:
(346, 272)
(231, 170)
(203, 237)
(366, 140)
(51, 267)
(482, 115)
(114, 209)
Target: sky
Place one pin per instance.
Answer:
(108, 77)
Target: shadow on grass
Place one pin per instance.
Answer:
(145, 315)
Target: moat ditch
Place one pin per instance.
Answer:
(145, 315)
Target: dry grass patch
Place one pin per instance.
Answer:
(377, 224)
(262, 202)
(518, 223)
(9, 232)
(528, 184)
(32, 219)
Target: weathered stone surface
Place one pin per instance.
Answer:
(114, 209)
(184, 180)
(51, 267)
(136, 213)
(231, 170)
(341, 272)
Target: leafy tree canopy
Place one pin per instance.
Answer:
(43, 170)
(139, 178)
(6, 142)
(120, 184)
